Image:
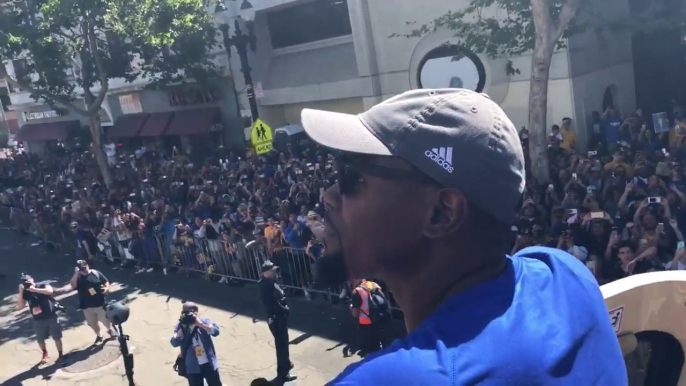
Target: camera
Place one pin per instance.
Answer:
(187, 317)
(117, 312)
(25, 280)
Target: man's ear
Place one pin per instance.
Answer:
(447, 214)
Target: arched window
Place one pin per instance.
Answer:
(440, 69)
(609, 97)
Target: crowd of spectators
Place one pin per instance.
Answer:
(618, 207)
(161, 205)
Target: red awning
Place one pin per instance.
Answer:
(155, 125)
(127, 126)
(48, 131)
(194, 121)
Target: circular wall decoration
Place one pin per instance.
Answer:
(438, 69)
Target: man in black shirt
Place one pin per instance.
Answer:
(42, 309)
(274, 300)
(92, 286)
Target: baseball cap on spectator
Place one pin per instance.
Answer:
(268, 266)
(454, 136)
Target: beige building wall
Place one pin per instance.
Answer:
(369, 66)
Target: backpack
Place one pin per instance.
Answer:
(180, 363)
(379, 311)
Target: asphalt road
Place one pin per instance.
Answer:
(321, 335)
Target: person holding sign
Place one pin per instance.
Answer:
(43, 311)
(92, 286)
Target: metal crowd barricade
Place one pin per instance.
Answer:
(211, 258)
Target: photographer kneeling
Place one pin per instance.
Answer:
(197, 359)
(43, 308)
(92, 286)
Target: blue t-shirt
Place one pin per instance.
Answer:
(612, 125)
(542, 322)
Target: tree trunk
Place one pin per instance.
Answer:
(97, 150)
(538, 106)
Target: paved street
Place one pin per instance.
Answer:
(318, 333)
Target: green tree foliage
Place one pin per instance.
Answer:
(68, 50)
(508, 28)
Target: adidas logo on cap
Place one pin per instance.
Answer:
(442, 156)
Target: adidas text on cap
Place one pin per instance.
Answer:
(460, 138)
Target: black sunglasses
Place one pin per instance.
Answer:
(349, 173)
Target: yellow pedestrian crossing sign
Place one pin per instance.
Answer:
(261, 137)
(260, 133)
(263, 148)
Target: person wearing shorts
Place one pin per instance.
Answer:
(91, 286)
(42, 309)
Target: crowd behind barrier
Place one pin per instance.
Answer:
(212, 259)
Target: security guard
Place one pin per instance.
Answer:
(370, 333)
(274, 301)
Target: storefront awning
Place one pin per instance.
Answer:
(194, 121)
(155, 125)
(127, 126)
(47, 131)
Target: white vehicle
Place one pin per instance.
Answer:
(648, 313)
(291, 134)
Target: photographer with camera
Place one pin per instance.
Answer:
(197, 360)
(43, 308)
(274, 301)
(92, 286)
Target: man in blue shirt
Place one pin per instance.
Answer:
(297, 234)
(427, 188)
(612, 120)
(193, 335)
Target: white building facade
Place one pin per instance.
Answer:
(339, 55)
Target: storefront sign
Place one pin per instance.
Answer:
(189, 98)
(33, 115)
(130, 104)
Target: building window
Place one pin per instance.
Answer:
(309, 22)
(609, 97)
(439, 69)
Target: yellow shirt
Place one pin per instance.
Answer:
(612, 165)
(568, 139)
(268, 231)
(676, 135)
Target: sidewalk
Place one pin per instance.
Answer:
(320, 333)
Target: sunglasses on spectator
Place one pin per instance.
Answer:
(349, 173)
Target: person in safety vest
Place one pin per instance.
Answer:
(370, 325)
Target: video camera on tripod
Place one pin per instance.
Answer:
(118, 313)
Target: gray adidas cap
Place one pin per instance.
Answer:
(460, 138)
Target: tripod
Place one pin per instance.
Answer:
(128, 357)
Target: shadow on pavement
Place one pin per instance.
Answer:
(45, 373)
(73, 359)
(313, 318)
(46, 266)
